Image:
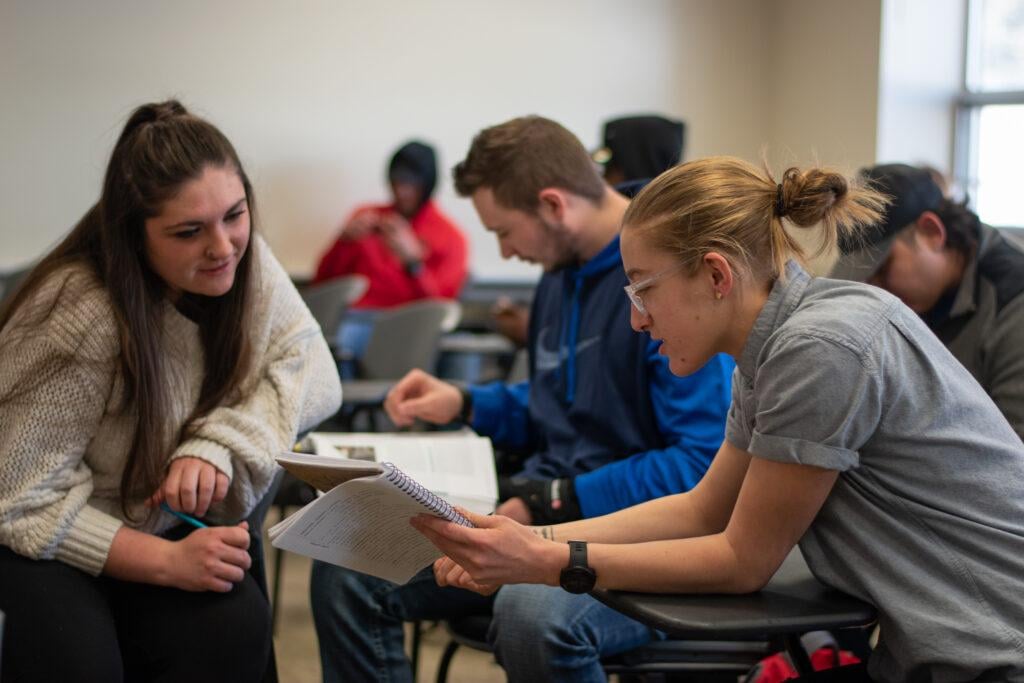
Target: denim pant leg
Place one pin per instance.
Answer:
(352, 337)
(540, 633)
(359, 619)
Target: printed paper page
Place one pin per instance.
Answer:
(457, 466)
(362, 525)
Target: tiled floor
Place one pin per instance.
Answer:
(296, 645)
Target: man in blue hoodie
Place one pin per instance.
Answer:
(608, 425)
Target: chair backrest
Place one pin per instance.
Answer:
(520, 370)
(329, 300)
(405, 337)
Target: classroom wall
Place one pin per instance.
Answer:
(823, 100)
(922, 72)
(823, 70)
(317, 94)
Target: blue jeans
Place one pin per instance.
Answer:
(538, 633)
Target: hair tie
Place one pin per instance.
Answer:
(780, 208)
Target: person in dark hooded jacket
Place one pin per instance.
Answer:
(408, 249)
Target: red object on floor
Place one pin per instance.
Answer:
(777, 668)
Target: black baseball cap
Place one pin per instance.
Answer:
(641, 146)
(912, 191)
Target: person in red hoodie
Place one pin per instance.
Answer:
(408, 249)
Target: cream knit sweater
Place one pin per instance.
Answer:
(64, 443)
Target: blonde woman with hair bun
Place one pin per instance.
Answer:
(852, 432)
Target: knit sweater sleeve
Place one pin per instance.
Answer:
(58, 359)
(293, 386)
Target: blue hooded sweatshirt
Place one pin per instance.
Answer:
(601, 405)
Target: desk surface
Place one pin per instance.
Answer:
(792, 602)
(365, 392)
(478, 343)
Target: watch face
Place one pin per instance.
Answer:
(578, 579)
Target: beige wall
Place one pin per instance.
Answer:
(316, 94)
(823, 100)
(922, 72)
(823, 73)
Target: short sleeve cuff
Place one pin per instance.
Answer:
(88, 541)
(736, 434)
(210, 451)
(800, 452)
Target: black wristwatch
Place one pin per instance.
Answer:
(466, 411)
(413, 268)
(578, 577)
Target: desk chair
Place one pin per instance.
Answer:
(329, 300)
(712, 635)
(403, 338)
(700, 661)
(792, 604)
(259, 569)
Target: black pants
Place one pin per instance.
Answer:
(62, 624)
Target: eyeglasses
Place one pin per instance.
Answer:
(633, 290)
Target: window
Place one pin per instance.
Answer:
(990, 152)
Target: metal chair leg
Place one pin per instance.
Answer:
(276, 590)
(798, 655)
(446, 660)
(417, 637)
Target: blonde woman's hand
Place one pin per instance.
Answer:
(191, 486)
(496, 552)
(447, 573)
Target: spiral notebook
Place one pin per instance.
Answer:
(458, 466)
(362, 521)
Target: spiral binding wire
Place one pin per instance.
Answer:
(430, 500)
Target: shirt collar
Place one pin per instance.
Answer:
(966, 300)
(787, 291)
(607, 258)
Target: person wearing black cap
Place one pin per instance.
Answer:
(964, 278)
(639, 147)
(408, 249)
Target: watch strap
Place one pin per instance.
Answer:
(466, 412)
(578, 554)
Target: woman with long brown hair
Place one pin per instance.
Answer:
(852, 431)
(157, 358)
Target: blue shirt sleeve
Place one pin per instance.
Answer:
(500, 411)
(691, 413)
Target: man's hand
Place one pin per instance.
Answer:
(401, 239)
(545, 501)
(362, 223)
(424, 397)
(512, 320)
(515, 508)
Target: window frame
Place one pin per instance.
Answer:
(969, 104)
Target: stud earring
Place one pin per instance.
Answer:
(718, 295)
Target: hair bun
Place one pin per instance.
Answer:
(153, 112)
(809, 195)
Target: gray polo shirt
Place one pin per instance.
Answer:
(926, 519)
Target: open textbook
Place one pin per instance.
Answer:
(374, 483)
